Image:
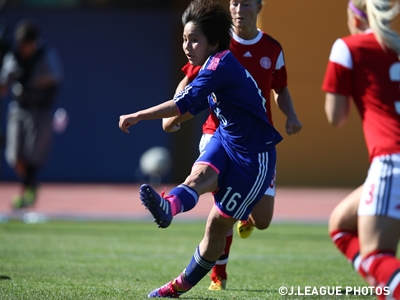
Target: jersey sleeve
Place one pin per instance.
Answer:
(279, 76)
(337, 79)
(194, 97)
(191, 71)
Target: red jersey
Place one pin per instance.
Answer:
(263, 58)
(358, 67)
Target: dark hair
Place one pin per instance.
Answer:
(26, 31)
(213, 19)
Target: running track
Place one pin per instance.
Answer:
(121, 202)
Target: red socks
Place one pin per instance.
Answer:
(379, 268)
(383, 270)
(347, 242)
(220, 266)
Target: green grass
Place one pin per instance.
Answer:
(118, 260)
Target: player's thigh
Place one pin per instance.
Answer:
(263, 211)
(202, 178)
(344, 215)
(209, 168)
(378, 212)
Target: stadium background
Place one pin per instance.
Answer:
(121, 56)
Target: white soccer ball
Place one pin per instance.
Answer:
(155, 162)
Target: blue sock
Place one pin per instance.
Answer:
(195, 271)
(186, 196)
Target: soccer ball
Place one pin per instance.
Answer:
(156, 161)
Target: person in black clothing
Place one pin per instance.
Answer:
(32, 73)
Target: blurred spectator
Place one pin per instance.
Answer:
(32, 73)
(4, 48)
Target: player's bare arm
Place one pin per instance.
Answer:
(163, 110)
(337, 108)
(173, 124)
(284, 101)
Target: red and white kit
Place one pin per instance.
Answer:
(360, 68)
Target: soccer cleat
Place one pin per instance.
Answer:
(29, 196)
(217, 284)
(157, 205)
(17, 202)
(26, 200)
(244, 229)
(169, 290)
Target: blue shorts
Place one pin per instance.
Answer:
(242, 177)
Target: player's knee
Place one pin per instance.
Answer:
(262, 225)
(342, 218)
(332, 223)
(335, 220)
(202, 180)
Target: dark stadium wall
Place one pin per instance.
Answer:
(115, 62)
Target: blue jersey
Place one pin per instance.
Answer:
(232, 94)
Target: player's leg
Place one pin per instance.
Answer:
(37, 144)
(262, 214)
(379, 224)
(182, 198)
(232, 201)
(206, 253)
(219, 275)
(202, 179)
(343, 228)
(15, 137)
(379, 238)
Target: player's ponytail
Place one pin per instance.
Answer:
(380, 14)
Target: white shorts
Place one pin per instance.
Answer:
(205, 138)
(381, 192)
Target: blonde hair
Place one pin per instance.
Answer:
(360, 4)
(380, 14)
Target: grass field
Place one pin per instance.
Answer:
(118, 260)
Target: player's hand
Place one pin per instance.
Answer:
(293, 125)
(175, 128)
(125, 121)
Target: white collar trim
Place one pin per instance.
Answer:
(247, 42)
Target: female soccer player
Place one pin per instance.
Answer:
(237, 164)
(365, 67)
(263, 57)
